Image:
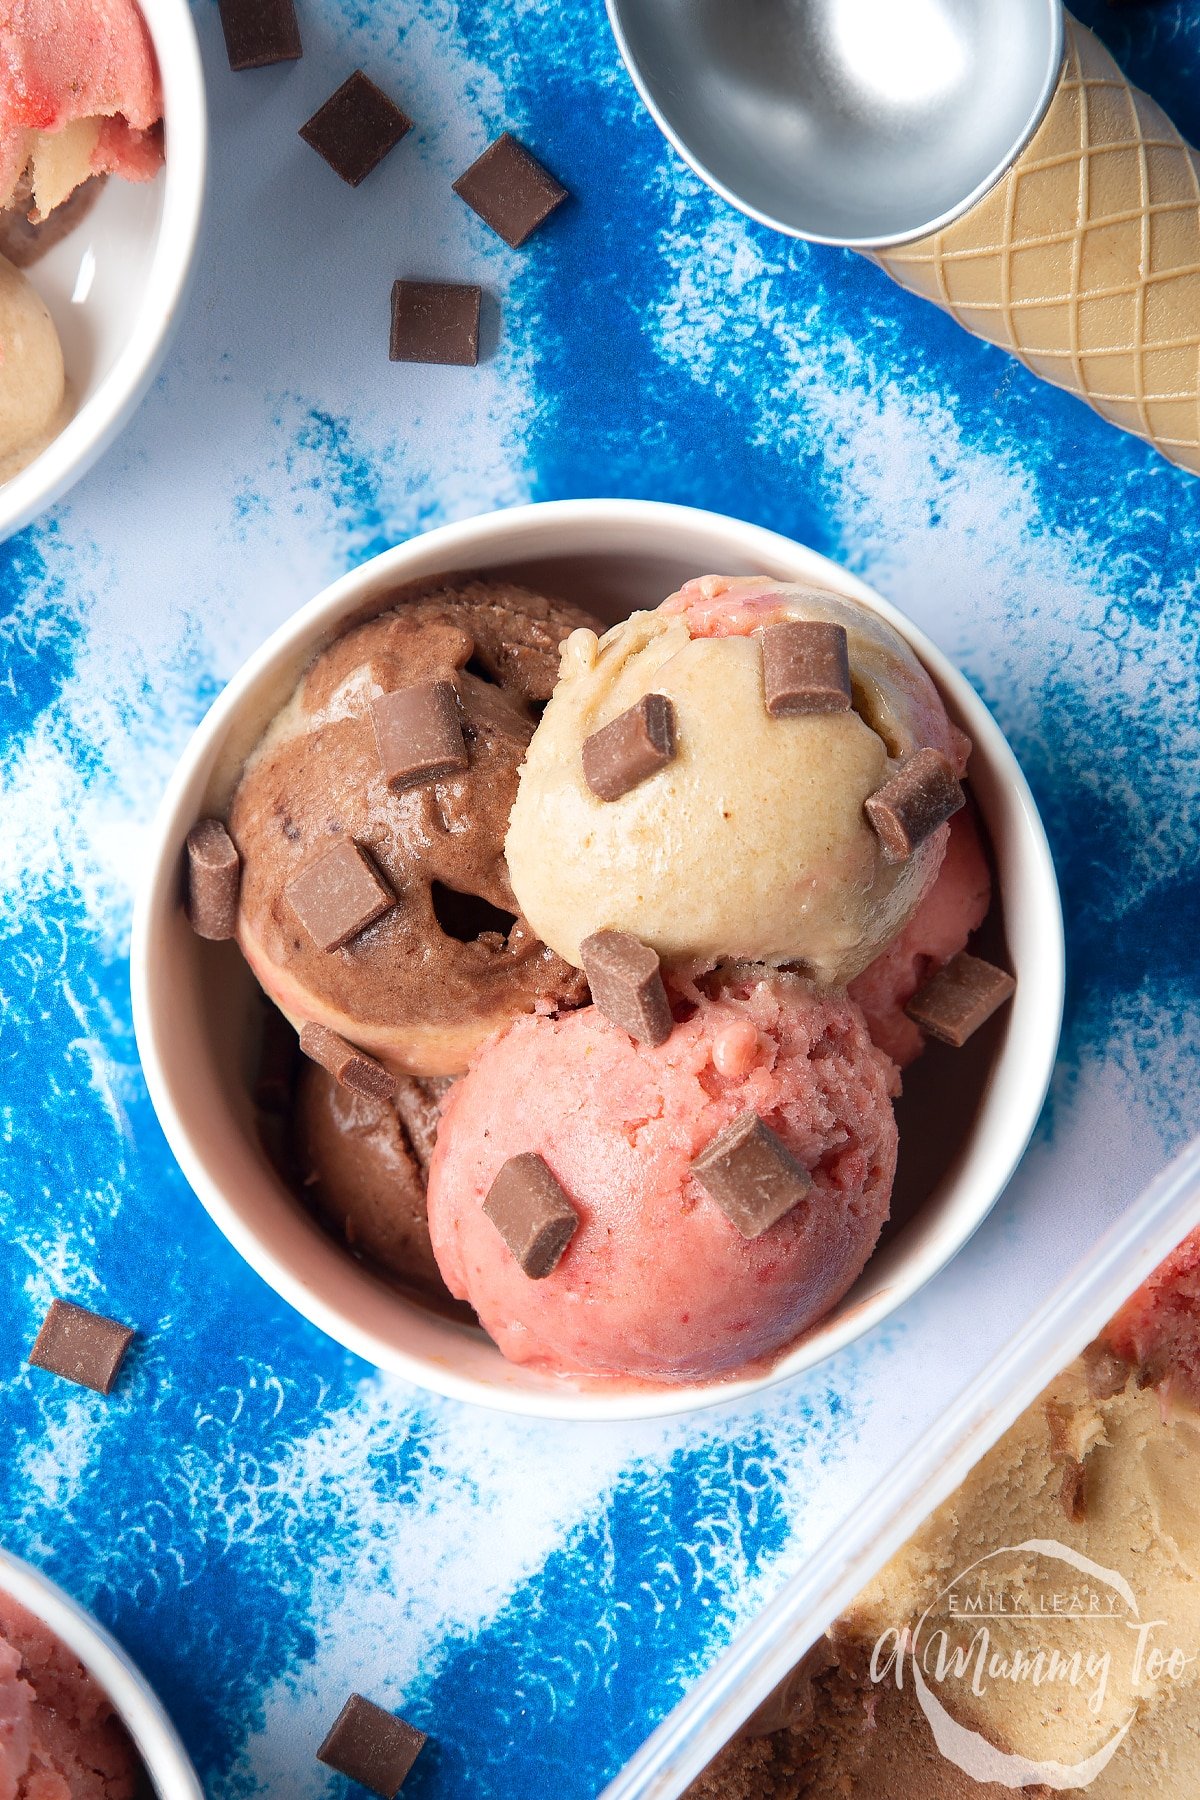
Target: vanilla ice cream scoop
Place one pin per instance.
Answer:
(743, 833)
(32, 385)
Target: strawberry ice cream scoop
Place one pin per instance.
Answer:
(954, 907)
(672, 792)
(79, 96)
(60, 1738)
(1158, 1328)
(656, 1282)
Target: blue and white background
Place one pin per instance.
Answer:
(264, 1521)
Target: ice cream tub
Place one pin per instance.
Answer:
(754, 1672)
(48, 1701)
(199, 1020)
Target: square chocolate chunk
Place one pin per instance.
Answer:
(81, 1346)
(510, 190)
(627, 985)
(214, 879)
(419, 734)
(259, 32)
(339, 895)
(751, 1174)
(435, 322)
(956, 1001)
(371, 1746)
(532, 1212)
(922, 794)
(355, 128)
(348, 1065)
(633, 747)
(806, 668)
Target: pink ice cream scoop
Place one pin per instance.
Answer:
(954, 907)
(60, 1738)
(1158, 1328)
(79, 96)
(657, 1283)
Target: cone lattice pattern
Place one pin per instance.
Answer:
(1084, 260)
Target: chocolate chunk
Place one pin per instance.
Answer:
(627, 985)
(959, 998)
(435, 322)
(339, 895)
(635, 746)
(806, 668)
(276, 1078)
(371, 1746)
(1073, 1492)
(355, 128)
(353, 1068)
(510, 190)
(214, 879)
(418, 1100)
(419, 734)
(922, 794)
(81, 1346)
(751, 1174)
(259, 32)
(532, 1213)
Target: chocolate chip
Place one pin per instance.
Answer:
(751, 1174)
(806, 668)
(351, 1067)
(371, 1746)
(259, 32)
(355, 128)
(419, 734)
(533, 1214)
(214, 878)
(339, 895)
(1073, 1492)
(635, 746)
(276, 1076)
(435, 322)
(959, 998)
(625, 977)
(81, 1346)
(922, 794)
(510, 190)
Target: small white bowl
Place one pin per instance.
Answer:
(115, 285)
(198, 1022)
(140, 1709)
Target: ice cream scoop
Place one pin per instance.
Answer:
(374, 899)
(750, 840)
(79, 96)
(993, 158)
(658, 1279)
(32, 383)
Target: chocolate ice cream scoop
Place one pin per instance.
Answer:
(370, 820)
(363, 1163)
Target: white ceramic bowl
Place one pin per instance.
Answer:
(140, 1709)
(197, 1018)
(115, 285)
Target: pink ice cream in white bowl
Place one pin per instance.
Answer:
(78, 1721)
(102, 169)
(783, 843)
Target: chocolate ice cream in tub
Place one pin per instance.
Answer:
(608, 558)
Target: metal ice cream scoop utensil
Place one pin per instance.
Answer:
(989, 154)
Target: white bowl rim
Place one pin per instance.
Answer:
(141, 1711)
(454, 543)
(89, 432)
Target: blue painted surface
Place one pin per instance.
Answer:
(262, 1519)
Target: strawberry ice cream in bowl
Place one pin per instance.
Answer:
(102, 156)
(77, 1720)
(648, 976)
